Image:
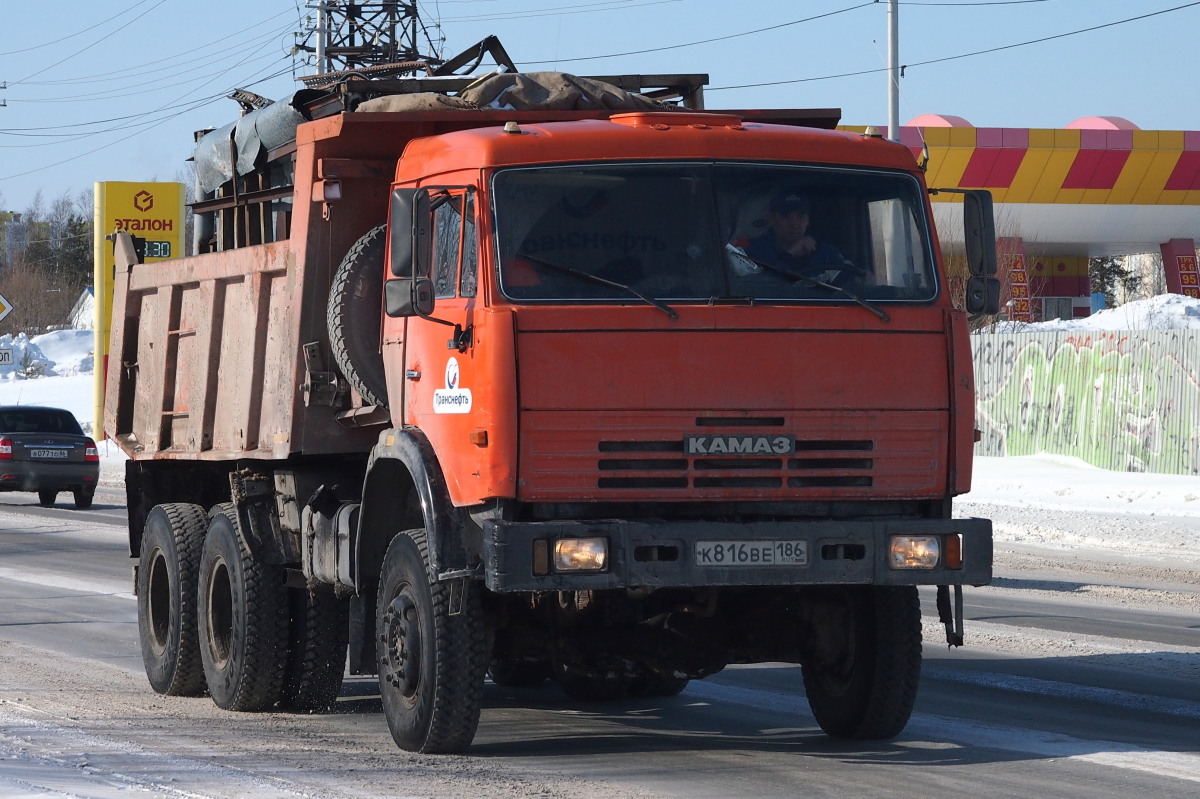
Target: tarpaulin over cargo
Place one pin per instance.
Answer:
(554, 91)
(248, 140)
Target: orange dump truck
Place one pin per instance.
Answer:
(612, 395)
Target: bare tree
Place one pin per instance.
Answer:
(50, 264)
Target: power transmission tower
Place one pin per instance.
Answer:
(357, 36)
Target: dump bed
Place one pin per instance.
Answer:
(208, 360)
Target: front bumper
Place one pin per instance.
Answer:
(660, 554)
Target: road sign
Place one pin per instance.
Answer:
(5, 308)
(5, 356)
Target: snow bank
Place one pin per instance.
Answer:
(1164, 312)
(58, 354)
(1060, 482)
(66, 361)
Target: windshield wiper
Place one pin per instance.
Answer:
(875, 309)
(579, 273)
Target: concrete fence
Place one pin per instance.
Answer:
(1123, 400)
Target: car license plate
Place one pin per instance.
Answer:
(53, 454)
(751, 553)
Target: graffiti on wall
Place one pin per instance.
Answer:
(1123, 400)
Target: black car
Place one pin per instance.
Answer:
(45, 450)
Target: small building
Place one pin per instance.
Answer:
(83, 314)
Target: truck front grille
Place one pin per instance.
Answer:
(732, 472)
(847, 454)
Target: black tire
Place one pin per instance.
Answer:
(511, 672)
(353, 316)
(318, 632)
(242, 620)
(431, 663)
(864, 685)
(592, 684)
(168, 566)
(46, 497)
(83, 497)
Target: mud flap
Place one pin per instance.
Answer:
(953, 620)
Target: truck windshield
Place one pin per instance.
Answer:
(710, 232)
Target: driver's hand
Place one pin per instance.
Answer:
(806, 245)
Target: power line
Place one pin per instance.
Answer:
(1056, 36)
(82, 50)
(705, 41)
(89, 29)
(150, 87)
(955, 57)
(978, 3)
(138, 70)
(149, 126)
(618, 5)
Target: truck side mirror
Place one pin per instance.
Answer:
(979, 232)
(422, 234)
(408, 296)
(983, 295)
(400, 231)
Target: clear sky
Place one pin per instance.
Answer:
(113, 91)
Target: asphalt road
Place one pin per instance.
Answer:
(1055, 694)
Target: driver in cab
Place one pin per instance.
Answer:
(787, 244)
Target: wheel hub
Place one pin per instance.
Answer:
(402, 645)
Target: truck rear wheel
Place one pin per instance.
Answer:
(168, 566)
(318, 632)
(861, 680)
(431, 660)
(242, 620)
(353, 316)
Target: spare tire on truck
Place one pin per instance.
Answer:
(353, 316)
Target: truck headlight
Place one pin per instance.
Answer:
(580, 554)
(914, 551)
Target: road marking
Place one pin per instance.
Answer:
(1064, 690)
(1177, 765)
(103, 587)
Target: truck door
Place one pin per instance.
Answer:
(454, 272)
(441, 378)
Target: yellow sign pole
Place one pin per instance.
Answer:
(150, 211)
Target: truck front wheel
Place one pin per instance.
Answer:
(432, 657)
(168, 565)
(862, 671)
(243, 620)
